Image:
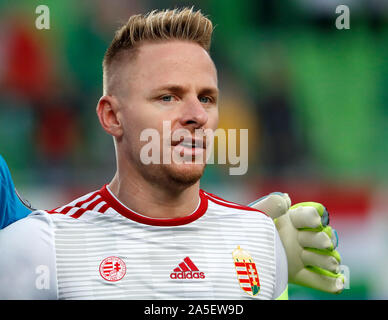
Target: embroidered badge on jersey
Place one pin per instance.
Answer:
(187, 270)
(246, 270)
(112, 269)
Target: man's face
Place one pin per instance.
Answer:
(174, 81)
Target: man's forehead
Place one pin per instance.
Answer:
(169, 60)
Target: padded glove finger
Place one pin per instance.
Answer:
(322, 258)
(309, 215)
(325, 281)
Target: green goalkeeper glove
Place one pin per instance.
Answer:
(308, 241)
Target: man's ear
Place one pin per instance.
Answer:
(107, 112)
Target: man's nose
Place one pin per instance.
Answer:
(194, 115)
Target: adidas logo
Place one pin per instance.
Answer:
(187, 270)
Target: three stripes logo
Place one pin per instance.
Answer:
(246, 270)
(187, 270)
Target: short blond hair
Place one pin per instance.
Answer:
(179, 24)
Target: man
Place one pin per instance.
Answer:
(151, 233)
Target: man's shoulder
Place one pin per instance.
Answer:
(81, 206)
(227, 206)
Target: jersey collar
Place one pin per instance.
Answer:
(115, 204)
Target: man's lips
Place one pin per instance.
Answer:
(189, 147)
(190, 143)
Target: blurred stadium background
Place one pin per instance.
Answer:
(314, 99)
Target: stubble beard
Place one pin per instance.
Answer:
(183, 178)
(171, 177)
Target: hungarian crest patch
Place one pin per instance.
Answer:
(246, 270)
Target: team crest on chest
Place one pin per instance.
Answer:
(112, 269)
(246, 270)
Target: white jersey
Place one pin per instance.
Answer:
(97, 248)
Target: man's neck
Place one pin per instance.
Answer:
(152, 200)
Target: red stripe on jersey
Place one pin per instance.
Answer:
(104, 208)
(80, 203)
(191, 264)
(229, 204)
(93, 204)
(66, 209)
(90, 206)
(184, 267)
(177, 270)
(78, 213)
(54, 212)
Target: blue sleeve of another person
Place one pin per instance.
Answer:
(11, 208)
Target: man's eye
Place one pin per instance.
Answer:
(167, 98)
(204, 99)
